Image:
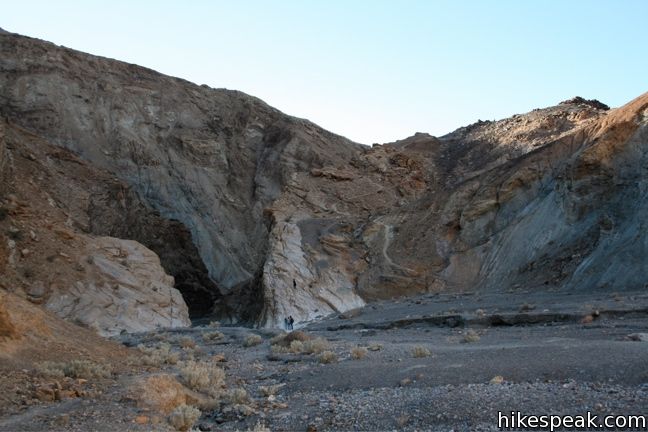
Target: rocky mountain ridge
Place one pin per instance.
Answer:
(259, 215)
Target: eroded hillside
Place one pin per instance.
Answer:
(275, 216)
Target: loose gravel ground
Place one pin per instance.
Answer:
(567, 366)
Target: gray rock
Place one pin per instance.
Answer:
(639, 337)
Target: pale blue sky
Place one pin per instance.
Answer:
(374, 71)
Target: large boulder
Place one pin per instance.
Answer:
(125, 290)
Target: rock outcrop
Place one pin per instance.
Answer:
(125, 290)
(50, 256)
(591, 102)
(278, 217)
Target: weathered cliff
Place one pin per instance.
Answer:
(211, 159)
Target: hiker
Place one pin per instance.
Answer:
(294, 284)
(287, 323)
(291, 321)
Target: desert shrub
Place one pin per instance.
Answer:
(297, 336)
(278, 339)
(587, 319)
(183, 417)
(220, 357)
(315, 346)
(375, 347)
(238, 396)
(252, 340)
(471, 336)
(358, 353)
(327, 357)
(188, 356)
(203, 376)
(212, 336)
(214, 324)
(497, 379)
(280, 349)
(158, 355)
(270, 390)
(74, 369)
(420, 351)
(296, 346)
(285, 339)
(187, 342)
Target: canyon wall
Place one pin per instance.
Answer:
(274, 216)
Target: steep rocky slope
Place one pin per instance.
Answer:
(565, 215)
(495, 206)
(288, 219)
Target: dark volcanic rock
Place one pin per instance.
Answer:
(591, 102)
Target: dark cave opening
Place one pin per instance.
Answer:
(117, 211)
(197, 295)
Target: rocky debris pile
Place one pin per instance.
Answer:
(594, 103)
